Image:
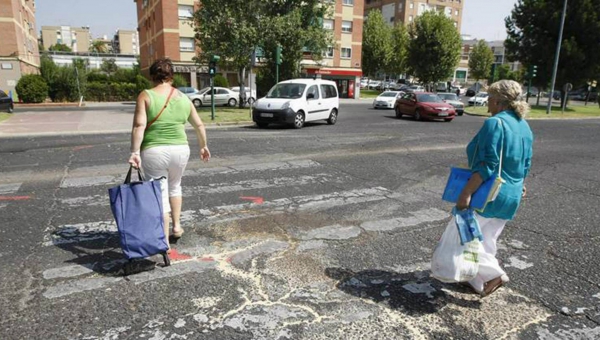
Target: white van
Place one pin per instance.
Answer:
(297, 101)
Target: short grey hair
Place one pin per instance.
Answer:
(509, 94)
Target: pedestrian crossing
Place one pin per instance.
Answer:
(238, 214)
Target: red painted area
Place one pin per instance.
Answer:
(334, 72)
(254, 199)
(174, 255)
(228, 260)
(14, 198)
(207, 259)
(81, 147)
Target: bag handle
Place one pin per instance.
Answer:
(501, 150)
(139, 172)
(161, 111)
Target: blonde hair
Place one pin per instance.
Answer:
(509, 95)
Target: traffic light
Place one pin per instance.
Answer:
(278, 55)
(212, 65)
(533, 71)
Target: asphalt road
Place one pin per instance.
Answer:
(320, 233)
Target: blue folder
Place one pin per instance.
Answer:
(456, 182)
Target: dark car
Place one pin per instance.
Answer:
(424, 105)
(6, 102)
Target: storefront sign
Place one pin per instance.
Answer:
(356, 73)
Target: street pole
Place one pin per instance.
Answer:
(212, 98)
(556, 58)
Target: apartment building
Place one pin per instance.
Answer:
(126, 42)
(19, 53)
(405, 11)
(166, 30)
(78, 39)
(461, 74)
(342, 62)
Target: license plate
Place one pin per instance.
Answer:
(266, 115)
(444, 114)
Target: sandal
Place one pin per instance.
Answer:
(177, 234)
(491, 286)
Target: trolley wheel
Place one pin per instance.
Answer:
(166, 259)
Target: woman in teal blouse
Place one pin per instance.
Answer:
(505, 135)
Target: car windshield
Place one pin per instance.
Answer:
(447, 96)
(286, 91)
(429, 98)
(482, 95)
(389, 94)
(206, 89)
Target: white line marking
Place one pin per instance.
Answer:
(81, 182)
(7, 189)
(418, 217)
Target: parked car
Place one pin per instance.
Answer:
(297, 101)
(250, 98)
(475, 88)
(460, 89)
(188, 90)
(386, 100)
(415, 88)
(223, 96)
(364, 83)
(374, 84)
(424, 105)
(6, 102)
(452, 99)
(481, 99)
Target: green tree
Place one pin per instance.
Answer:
(179, 81)
(481, 60)
(60, 48)
(221, 81)
(400, 40)
(32, 88)
(99, 46)
(533, 28)
(434, 48)
(109, 66)
(378, 45)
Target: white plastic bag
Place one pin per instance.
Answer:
(453, 262)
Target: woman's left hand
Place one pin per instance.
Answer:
(463, 202)
(135, 160)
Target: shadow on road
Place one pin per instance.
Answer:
(414, 293)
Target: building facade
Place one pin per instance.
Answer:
(405, 11)
(342, 62)
(19, 53)
(78, 39)
(126, 42)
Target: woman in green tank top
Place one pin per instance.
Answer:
(158, 140)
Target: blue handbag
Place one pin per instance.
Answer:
(138, 211)
(487, 191)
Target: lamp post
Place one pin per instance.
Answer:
(212, 70)
(556, 58)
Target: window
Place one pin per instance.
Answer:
(328, 52)
(186, 44)
(412, 5)
(347, 26)
(348, 2)
(314, 90)
(328, 91)
(185, 12)
(328, 24)
(346, 52)
(456, 12)
(410, 18)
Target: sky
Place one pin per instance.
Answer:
(482, 19)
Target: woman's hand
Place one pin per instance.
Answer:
(524, 192)
(135, 160)
(463, 202)
(205, 154)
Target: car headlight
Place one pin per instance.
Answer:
(285, 105)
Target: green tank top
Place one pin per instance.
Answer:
(169, 128)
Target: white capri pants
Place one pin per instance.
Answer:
(489, 268)
(168, 161)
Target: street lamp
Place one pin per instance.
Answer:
(212, 70)
(556, 58)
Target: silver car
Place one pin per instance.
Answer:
(453, 100)
(223, 96)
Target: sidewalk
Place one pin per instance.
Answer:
(36, 124)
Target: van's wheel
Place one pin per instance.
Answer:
(417, 114)
(197, 102)
(332, 117)
(299, 120)
(398, 113)
(11, 109)
(262, 125)
(232, 102)
(251, 101)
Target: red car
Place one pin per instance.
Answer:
(424, 105)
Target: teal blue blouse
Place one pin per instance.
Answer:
(483, 153)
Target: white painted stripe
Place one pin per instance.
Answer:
(273, 166)
(418, 217)
(217, 188)
(81, 182)
(73, 233)
(7, 189)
